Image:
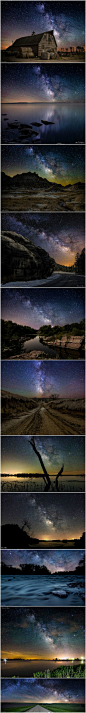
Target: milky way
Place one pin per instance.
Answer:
(62, 165)
(54, 517)
(29, 83)
(36, 308)
(42, 633)
(55, 561)
(41, 379)
(66, 20)
(36, 691)
(61, 235)
(18, 455)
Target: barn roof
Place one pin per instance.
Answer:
(30, 40)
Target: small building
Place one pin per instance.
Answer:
(42, 46)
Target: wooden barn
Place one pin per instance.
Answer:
(42, 45)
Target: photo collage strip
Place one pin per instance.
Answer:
(43, 356)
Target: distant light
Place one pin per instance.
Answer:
(82, 660)
(5, 660)
(72, 659)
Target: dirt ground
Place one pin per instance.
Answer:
(44, 421)
(68, 200)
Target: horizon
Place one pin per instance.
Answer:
(23, 21)
(62, 165)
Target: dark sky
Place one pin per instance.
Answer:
(54, 560)
(42, 633)
(48, 518)
(40, 691)
(43, 379)
(65, 19)
(62, 165)
(61, 235)
(38, 307)
(18, 455)
(43, 83)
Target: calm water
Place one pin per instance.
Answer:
(67, 123)
(41, 590)
(27, 668)
(36, 344)
(65, 484)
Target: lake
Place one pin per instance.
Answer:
(42, 590)
(32, 484)
(65, 123)
(27, 668)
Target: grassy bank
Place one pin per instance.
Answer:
(77, 671)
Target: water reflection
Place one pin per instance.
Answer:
(65, 123)
(67, 483)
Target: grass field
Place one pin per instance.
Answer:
(55, 708)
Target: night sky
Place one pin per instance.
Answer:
(35, 308)
(18, 455)
(54, 560)
(61, 235)
(62, 165)
(22, 18)
(42, 633)
(43, 83)
(40, 691)
(47, 517)
(43, 379)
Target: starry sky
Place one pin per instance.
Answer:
(54, 560)
(62, 165)
(38, 307)
(18, 455)
(48, 518)
(43, 83)
(43, 379)
(22, 18)
(42, 633)
(42, 691)
(62, 236)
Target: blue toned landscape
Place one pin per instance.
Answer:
(46, 123)
(62, 589)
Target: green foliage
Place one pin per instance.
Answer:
(66, 671)
(13, 336)
(74, 329)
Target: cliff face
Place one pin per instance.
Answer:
(22, 260)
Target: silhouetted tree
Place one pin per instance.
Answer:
(79, 264)
(58, 475)
(45, 476)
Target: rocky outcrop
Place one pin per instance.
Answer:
(22, 260)
(65, 342)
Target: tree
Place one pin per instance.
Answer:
(79, 264)
(46, 477)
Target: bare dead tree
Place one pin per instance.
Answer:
(45, 474)
(58, 475)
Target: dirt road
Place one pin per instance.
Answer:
(57, 279)
(43, 421)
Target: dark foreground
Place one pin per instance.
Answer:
(57, 279)
(44, 419)
(55, 708)
(68, 199)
